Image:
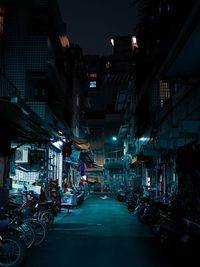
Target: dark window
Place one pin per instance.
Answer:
(37, 26)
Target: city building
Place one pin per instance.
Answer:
(108, 92)
(40, 81)
(163, 117)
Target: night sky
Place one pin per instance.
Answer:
(91, 23)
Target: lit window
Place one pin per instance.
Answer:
(108, 65)
(112, 41)
(2, 11)
(93, 84)
(93, 75)
(134, 42)
(164, 90)
(164, 93)
(64, 41)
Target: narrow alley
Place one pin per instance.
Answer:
(99, 233)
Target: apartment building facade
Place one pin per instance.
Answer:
(39, 92)
(163, 120)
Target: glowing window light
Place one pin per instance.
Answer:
(2, 11)
(93, 75)
(64, 41)
(112, 41)
(134, 42)
(108, 65)
(93, 84)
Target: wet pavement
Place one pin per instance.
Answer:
(99, 233)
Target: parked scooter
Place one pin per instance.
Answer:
(143, 204)
(107, 188)
(132, 202)
(79, 197)
(121, 194)
(176, 231)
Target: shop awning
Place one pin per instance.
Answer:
(140, 158)
(77, 140)
(85, 147)
(21, 123)
(79, 143)
(78, 149)
(73, 158)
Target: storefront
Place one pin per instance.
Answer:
(76, 155)
(36, 164)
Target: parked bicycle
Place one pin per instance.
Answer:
(13, 250)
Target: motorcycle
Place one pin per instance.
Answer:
(121, 195)
(131, 202)
(182, 232)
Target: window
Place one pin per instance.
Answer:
(164, 93)
(108, 65)
(40, 93)
(164, 90)
(134, 42)
(93, 75)
(37, 86)
(93, 84)
(64, 41)
(2, 12)
(112, 41)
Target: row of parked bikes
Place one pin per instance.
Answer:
(24, 225)
(172, 225)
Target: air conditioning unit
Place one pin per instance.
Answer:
(21, 155)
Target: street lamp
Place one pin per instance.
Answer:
(114, 138)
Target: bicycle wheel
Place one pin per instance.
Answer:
(29, 237)
(48, 217)
(39, 229)
(24, 231)
(12, 251)
(37, 216)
